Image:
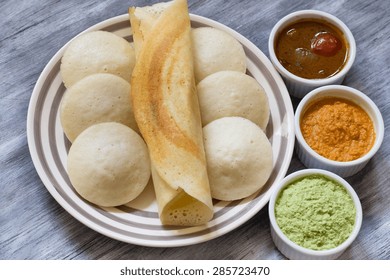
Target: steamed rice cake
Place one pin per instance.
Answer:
(109, 164)
(239, 158)
(97, 52)
(232, 93)
(215, 50)
(94, 99)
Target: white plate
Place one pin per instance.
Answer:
(138, 222)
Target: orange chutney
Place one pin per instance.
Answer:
(337, 129)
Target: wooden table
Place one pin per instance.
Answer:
(34, 226)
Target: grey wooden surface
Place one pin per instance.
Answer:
(34, 226)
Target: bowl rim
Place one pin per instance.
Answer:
(310, 14)
(310, 252)
(376, 117)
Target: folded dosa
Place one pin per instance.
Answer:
(167, 112)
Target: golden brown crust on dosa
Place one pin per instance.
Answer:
(167, 112)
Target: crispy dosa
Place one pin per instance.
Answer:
(167, 112)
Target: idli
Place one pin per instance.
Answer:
(232, 93)
(94, 99)
(215, 50)
(109, 164)
(239, 158)
(97, 52)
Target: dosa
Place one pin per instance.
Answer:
(167, 112)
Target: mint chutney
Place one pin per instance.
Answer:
(315, 212)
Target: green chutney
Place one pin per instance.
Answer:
(315, 212)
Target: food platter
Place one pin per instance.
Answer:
(138, 222)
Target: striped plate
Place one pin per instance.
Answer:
(138, 222)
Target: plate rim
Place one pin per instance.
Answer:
(212, 235)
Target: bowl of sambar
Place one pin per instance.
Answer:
(310, 49)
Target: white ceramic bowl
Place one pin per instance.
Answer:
(312, 159)
(294, 251)
(298, 86)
